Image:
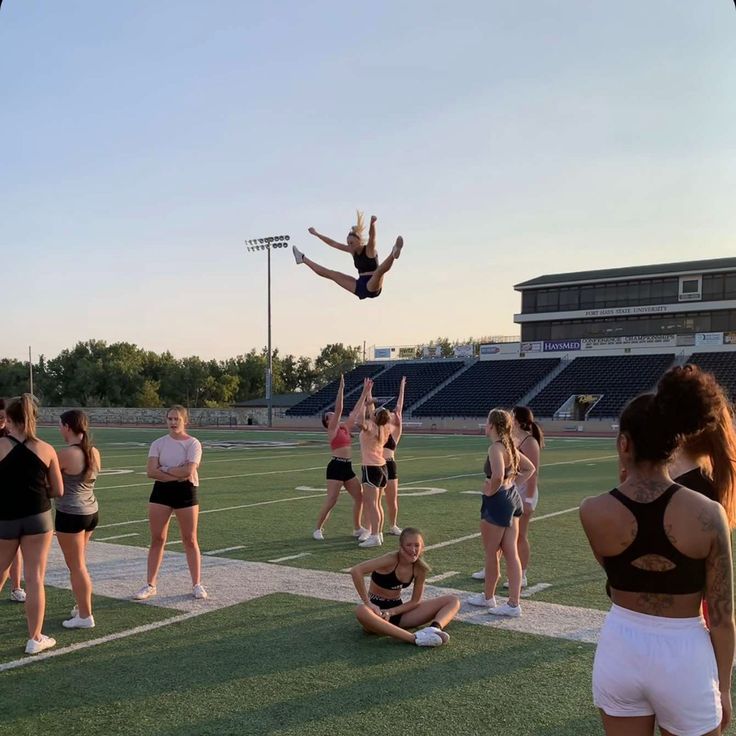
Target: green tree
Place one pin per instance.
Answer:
(148, 395)
(333, 360)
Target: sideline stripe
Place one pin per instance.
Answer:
(94, 642)
(441, 576)
(291, 557)
(213, 511)
(117, 536)
(477, 534)
(225, 549)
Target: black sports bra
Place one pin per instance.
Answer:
(363, 263)
(507, 473)
(23, 480)
(389, 581)
(687, 574)
(390, 443)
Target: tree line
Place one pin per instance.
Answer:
(93, 373)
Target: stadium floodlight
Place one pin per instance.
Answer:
(267, 244)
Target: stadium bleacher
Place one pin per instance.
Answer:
(421, 378)
(485, 385)
(325, 397)
(722, 366)
(617, 378)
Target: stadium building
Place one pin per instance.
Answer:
(590, 341)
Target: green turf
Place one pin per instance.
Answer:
(288, 665)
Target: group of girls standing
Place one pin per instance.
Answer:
(380, 433)
(31, 473)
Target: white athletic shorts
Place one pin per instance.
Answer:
(528, 502)
(652, 665)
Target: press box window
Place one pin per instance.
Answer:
(691, 289)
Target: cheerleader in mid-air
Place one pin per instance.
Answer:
(369, 283)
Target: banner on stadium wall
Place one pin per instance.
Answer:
(708, 338)
(560, 346)
(684, 341)
(463, 351)
(381, 353)
(631, 341)
(435, 351)
(531, 347)
(729, 338)
(408, 352)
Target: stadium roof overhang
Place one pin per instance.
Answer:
(660, 270)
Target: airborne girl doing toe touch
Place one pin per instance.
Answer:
(369, 283)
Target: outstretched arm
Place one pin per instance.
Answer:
(400, 401)
(339, 405)
(357, 415)
(332, 243)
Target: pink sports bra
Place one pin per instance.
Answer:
(341, 439)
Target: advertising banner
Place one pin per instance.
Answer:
(560, 346)
(531, 347)
(708, 338)
(630, 341)
(381, 353)
(408, 352)
(729, 338)
(463, 351)
(684, 341)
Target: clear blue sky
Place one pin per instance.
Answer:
(143, 141)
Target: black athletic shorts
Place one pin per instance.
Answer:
(26, 525)
(386, 604)
(374, 475)
(501, 507)
(340, 468)
(175, 494)
(391, 470)
(75, 523)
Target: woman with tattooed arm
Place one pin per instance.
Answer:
(664, 548)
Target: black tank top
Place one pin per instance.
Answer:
(363, 263)
(389, 580)
(390, 443)
(23, 480)
(697, 480)
(688, 573)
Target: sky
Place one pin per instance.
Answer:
(142, 142)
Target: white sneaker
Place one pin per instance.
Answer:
(147, 591)
(18, 595)
(442, 634)
(298, 255)
(75, 611)
(396, 251)
(199, 592)
(523, 583)
(506, 610)
(479, 575)
(36, 647)
(395, 530)
(361, 532)
(79, 623)
(317, 534)
(372, 540)
(479, 599)
(427, 638)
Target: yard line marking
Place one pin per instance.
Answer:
(95, 642)
(226, 477)
(174, 541)
(226, 508)
(538, 588)
(441, 576)
(117, 536)
(291, 557)
(233, 459)
(477, 534)
(224, 549)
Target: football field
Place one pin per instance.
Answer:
(276, 648)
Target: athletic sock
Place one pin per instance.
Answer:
(436, 625)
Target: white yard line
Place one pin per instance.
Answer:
(214, 511)
(442, 576)
(96, 642)
(225, 549)
(291, 557)
(117, 536)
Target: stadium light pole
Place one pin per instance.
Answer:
(267, 244)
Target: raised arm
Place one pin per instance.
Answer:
(719, 596)
(332, 243)
(400, 401)
(357, 415)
